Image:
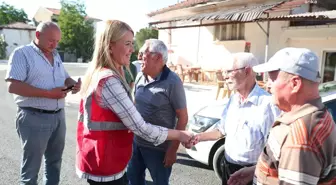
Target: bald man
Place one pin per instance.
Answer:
(38, 81)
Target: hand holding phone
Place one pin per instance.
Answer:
(68, 88)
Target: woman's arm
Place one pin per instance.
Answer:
(116, 99)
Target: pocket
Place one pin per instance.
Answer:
(36, 121)
(249, 136)
(20, 117)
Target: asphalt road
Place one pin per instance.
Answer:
(185, 171)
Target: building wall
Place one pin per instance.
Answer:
(43, 15)
(15, 38)
(319, 39)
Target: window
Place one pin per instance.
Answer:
(229, 32)
(329, 66)
(331, 105)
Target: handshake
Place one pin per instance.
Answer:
(189, 139)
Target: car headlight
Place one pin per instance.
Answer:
(201, 123)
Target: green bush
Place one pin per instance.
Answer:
(3, 46)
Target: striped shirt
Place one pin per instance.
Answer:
(246, 125)
(301, 148)
(28, 64)
(115, 97)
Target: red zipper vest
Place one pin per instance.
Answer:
(104, 144)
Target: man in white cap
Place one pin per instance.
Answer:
(301, 147)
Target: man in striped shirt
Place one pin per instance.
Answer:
(301, 147)
(38, 81)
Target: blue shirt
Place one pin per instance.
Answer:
(29, 65)
(246, 125)
(157, 101)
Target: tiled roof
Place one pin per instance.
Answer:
(54, 11)
(180, 5)
(18, 26)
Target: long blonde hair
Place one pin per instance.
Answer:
(112, 31)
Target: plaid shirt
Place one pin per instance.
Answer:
(115, 98)
(301, 148)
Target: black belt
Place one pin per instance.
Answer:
(41, 110)
(230, 168)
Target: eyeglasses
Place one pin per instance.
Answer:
(230, 71)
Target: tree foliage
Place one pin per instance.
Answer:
(3, 46)
(77, 31)
(9, 14)
(142, 35)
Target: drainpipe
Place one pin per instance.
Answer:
(198, 43)
(267, 44)
(267, 33)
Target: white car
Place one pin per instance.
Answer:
(211, 152)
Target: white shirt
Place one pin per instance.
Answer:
(247, 125)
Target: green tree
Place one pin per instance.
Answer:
(3, 46)
(142, 35)
(77, 31)
(9, 14)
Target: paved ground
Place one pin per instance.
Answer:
(185, 171)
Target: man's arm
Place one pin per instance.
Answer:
(16, 75)
(179, 104)
(182, 116)
(215, 134)
(209, 136)
(26, 90)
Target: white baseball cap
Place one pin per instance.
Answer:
(298, 61)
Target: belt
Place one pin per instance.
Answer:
(41, 110)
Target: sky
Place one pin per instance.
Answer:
(131, 11)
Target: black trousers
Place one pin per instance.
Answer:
(122, 181)
(230, 168)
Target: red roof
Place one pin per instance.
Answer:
(183, 4)
(54, 11)
(58, 11)
(18, 26)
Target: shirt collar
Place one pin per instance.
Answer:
(34, 46)
(161, 76)
(308, 108)
(253, 96)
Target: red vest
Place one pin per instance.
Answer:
(104, 144)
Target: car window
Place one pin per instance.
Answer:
(331, 105)
(212, 111)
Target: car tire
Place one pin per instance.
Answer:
(217, 162)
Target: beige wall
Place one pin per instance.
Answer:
(43, 15)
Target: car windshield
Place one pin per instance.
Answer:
(212, 111)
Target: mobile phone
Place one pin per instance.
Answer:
(68, 88)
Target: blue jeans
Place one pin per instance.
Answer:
(152, 159)
(41, 135)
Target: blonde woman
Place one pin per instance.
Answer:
(107, 116)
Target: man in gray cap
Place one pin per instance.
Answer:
(301, 147)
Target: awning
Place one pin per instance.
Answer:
(323, 15)
(231, 16)
(243, 14)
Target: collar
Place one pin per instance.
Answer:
(253, 96)
(34, 46)
(163, 75)
(308, 108)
